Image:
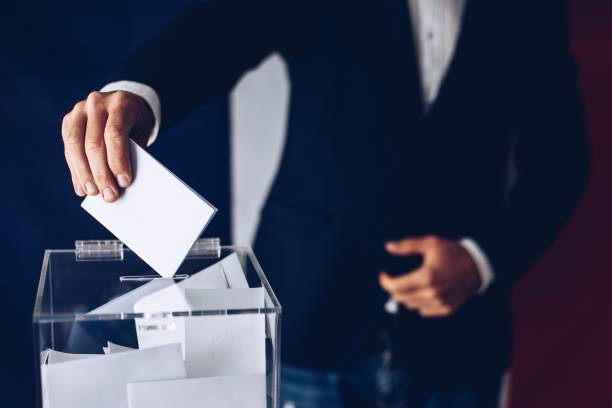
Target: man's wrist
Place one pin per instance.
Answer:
(145, 92)
(485, 270)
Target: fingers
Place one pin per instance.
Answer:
(411, 246)
(116, 133)
(427, 298)
(96, 136)
(78, 189)
(419, 291)
(95, 149)
(415, 280)
(75, 182)
(429, 302)
(73, 134)
(440, 311)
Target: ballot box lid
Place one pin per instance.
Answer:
(104, 280)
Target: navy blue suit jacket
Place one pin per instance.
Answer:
(363, 162)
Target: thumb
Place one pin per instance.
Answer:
(407, 246)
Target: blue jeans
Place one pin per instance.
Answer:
(376, 384)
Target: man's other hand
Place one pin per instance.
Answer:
(446, 279)
(96, 141)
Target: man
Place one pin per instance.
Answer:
(447, 129)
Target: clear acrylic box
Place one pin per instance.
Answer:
(108, 330)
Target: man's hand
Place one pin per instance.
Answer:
(446, 279)
(96, 134)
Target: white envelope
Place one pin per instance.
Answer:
(159, 217)
(100, 382)
(240, 391)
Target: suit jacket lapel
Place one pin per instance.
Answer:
(397, 22)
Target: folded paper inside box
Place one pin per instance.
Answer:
(184, 360)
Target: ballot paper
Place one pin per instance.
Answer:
(116, 348)
(239, 391)
(158, 217)
(101, 382)
(225, 344)
(152, 331)
(227, 273)
(212, 345)
(125, 303)
(54, 357)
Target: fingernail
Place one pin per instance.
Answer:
(90, 188)
(390, 245)
(123, 181)
(108, 194)
(79, 190)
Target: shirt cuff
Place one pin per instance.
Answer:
(145, 92)
(482, 263)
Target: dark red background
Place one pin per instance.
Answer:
(563, 309)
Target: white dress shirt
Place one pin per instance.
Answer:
(436, 25)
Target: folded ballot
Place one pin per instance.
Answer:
(212, 345)
(100, 381)
(159, 217)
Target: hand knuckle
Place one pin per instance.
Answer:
(94, 96)
(121, 95)
(120, 105)
(72, 137)
(124, 109)
(114, 134)
(79, 107)
(93, 144)
(95, 100)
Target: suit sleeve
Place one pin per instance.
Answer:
(552, 154)
(203, 52)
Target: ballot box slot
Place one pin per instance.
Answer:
(146, 278)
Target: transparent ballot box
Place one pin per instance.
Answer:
(110, 333)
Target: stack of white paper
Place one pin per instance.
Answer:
(212, 345)
(100, 381)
